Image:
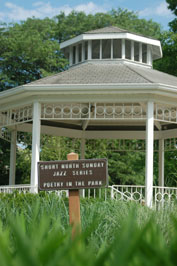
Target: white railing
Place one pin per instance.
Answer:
(127, 192)
(164, 196)
(19, 188)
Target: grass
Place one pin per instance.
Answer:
(34, 230)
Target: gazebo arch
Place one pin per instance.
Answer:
(110, 91)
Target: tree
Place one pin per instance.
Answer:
(172, 4)
(168, 63)
(28, 52)
(78, 22)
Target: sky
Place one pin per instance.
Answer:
(17, 10)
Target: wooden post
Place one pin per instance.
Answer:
(74, 204)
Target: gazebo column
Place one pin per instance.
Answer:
(149, 154)
(13, 150)
(161, 162)
(35, 145)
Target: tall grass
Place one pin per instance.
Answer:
(34, 230)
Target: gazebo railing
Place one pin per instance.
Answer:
(128, 192)
(162, 196)
(19, 188)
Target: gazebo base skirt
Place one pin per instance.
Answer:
(161, 195)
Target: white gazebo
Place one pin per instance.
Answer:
(110, 91)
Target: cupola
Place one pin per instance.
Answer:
(112, 44)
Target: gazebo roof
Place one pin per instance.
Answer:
(109, 29)
(107, 73)
(114, 29)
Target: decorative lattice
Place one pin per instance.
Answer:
(92, 111)
(166, 113)
(16, 116)
(125, 192)
(164, 196)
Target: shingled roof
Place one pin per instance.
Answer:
(108, 73)
(110, 29)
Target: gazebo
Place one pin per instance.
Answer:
(109, 91)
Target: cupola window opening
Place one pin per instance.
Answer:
(80, 52)
(144, 53)
(74, 55)
(96, 49)
(86, 50)
(106, 49)
(136, 51)
(128, 49)
(117, 48)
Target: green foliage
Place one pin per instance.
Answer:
(28, 52)
(172, 4)
(33, 232)
(168, 63)
(78, 22)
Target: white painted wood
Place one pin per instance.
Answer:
(35, 144)
(149, 154)
(89, 50)
(83, 51)
(100, 49)
(149, 55)
(168, 134)
(105, 36)
(13, 149)
(123, 48)
(77, 54)
(111, 48)
(26, 94)
(132, 50)
(73, 133)
(158, 125)
(161, 162)
(70, 55)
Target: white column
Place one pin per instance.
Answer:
(89, 50)
(123, 48)
(70, 55)
(149, 57)
(111, 48)
(149, 153)
(100, 49)
(83, 51)
(13, 149)
(161, 162)
(132, 50)
(35, 145)
(77, 54)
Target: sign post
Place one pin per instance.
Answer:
(74, 203)
(73, 174)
